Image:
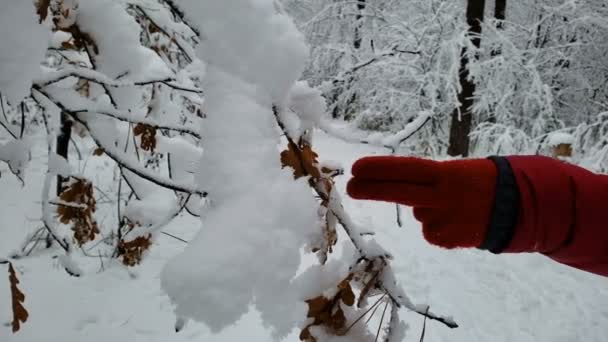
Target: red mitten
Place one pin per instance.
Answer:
(453, 199)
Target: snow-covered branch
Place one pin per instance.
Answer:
(121, 157)
(191, 130)
(368, 250)
(102, 79)
(345, 132)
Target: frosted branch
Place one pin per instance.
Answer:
(102, 79)
(123, 159)
(369, 250)
(388, 141)
(125, 117)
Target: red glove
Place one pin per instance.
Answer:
(452, 199)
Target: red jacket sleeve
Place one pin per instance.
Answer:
(563, 213)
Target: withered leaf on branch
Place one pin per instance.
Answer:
(99, 152)
(328, 313)
(302, 159)
(330, 234)
(132, 252)
(369, 277)
(20, 314)
(77, 208)
(147, 135)
(80, 40)
(42, 9)
(83, 87)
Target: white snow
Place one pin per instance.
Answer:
(59, 165)
(258, 213)
(151, 210)
(116, 35)
(525, 298)
(16, 153)
(559, 138)
(248, 38)
(308, 103)
(347, 132)
(23, 44)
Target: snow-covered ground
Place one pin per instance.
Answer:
(493, 298)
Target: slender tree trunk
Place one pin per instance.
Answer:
(462, 117)
(500, 11)
(500, 8)
(359, 24)
(63, 144)
(348, 110)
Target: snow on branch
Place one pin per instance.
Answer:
(395, 50)
(121, 157)
(121, 116)
(178, 12)
(389, 141)
(371, 256)
(102, 79)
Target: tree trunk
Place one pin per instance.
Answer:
(500, 8)
(462, 117)
(63, 144)
(359, 24)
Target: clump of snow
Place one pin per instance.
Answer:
(248, 250)
(16, 153)
(152, 209)
(120, 53)
(59, 165)
(23, 43)
(560, 138)
(250, 39)
(117, 37)
(308, 103)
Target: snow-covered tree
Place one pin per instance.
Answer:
(188, 100)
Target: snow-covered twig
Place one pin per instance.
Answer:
(390, 53)
(388, 141)
(122, 158)
(102, 79)
(146, 121)
(368, 250)
(178, 12)
(187, 52)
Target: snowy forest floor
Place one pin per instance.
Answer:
(493, 298)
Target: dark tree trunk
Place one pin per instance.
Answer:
(500, 8)
(359, 23)
(500, 11)
(63, 144)
(462, 117)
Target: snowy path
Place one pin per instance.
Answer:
(494, 298)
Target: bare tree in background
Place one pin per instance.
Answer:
(462, 116)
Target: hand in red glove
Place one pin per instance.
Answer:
(453, 199)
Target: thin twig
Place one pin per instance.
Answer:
(124, 118)
(165, 183)
(381, 321)
(22, 120)
(424, 326)
(175, 237)
(375, 305)
(177, 11)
